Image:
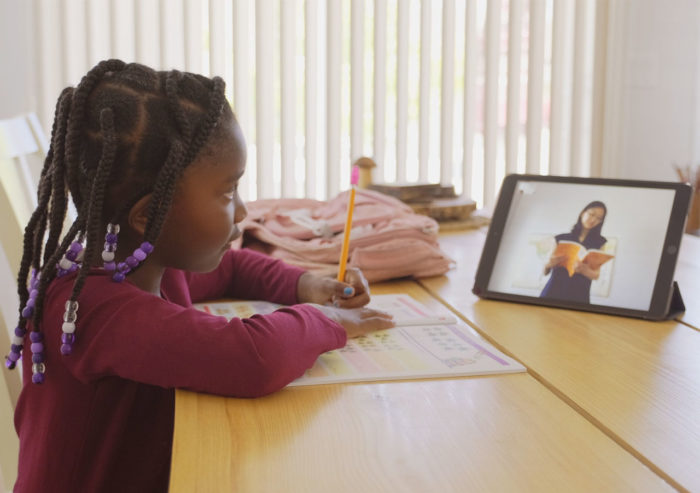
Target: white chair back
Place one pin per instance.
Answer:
(23, 147)
(10, 381)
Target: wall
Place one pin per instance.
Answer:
(660, 108)
(16, 58)
(660, 85)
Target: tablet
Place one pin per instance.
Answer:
(603, 245)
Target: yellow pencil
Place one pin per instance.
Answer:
(354, 178)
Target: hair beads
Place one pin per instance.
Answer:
(18, 339)
(68, 327)
(38, 367)
(132, 261)
(123, 132)
(71, 260)
(110, 247)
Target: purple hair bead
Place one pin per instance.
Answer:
(38, 378)
(15, 348)
(37, 358)
(132, 261)
(37, 347)
(111, 238)
(9, 364)
(20, 332)
(13, 356)
(66, 349)
(67, 338)
(110, 266)
(146, 247)
(36, 336)
(27, 311)
(118, 277)
(140, 255)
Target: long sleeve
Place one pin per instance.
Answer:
(137, 336)
(246, 274)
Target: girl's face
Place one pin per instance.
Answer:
(206, 208)
(590, 218)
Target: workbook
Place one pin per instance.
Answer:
(570, 251)
(424, 344)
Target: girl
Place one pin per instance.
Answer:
(586, 232)
(152, 161)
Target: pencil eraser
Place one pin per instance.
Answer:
(355, 175)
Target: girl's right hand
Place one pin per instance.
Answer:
(357, 321)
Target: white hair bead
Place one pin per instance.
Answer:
(107, 256)
(68, 327)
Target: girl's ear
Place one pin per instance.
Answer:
(138, 214)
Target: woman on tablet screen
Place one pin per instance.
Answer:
(571, 271)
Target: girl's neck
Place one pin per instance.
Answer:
(147, 277)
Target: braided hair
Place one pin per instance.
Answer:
(125, 131)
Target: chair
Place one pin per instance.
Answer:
(10, 382)
(23, 147)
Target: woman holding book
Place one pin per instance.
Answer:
(571, 276)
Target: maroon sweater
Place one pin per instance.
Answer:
(103, 419)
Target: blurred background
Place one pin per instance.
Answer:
(457, 92)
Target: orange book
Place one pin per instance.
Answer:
(572, 251)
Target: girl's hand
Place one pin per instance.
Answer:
(353, 293)
(358, 321)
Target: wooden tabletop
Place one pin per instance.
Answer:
(637, 381)
(496, 433)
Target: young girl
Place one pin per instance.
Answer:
(152, 161)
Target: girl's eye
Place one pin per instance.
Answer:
(232, 193)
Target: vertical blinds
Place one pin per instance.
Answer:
(452, 91)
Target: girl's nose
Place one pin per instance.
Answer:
(241, 211)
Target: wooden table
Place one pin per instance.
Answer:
(497, 433)
(637, 381)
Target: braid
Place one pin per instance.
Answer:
(97, 195)
(76, 122)
(59, 199)
(124, 132)
(160, 204)
(34, 231)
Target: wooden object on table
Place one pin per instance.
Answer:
(636, 379)
(452, 209)
(414, 192)
(500, 433)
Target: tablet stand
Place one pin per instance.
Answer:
(676, 307)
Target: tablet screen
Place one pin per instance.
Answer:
(583, 243)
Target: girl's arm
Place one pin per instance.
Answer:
(137, 336)
(247, 274)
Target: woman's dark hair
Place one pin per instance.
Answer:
(595, 231)
(124, 132)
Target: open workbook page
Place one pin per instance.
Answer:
(423, 344)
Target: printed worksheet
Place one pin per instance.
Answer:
(423, 344)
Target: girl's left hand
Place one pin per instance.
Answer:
(353, 293)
